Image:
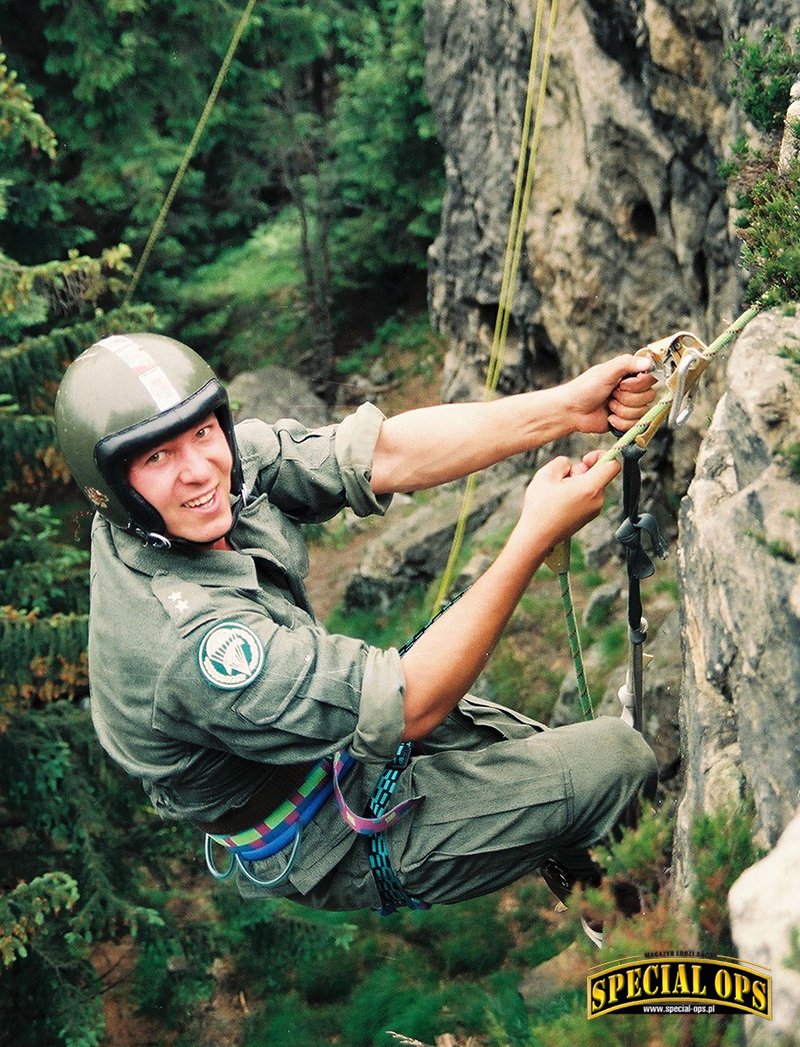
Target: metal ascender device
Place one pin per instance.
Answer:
(678, 361)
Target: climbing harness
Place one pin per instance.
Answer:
(282, 828)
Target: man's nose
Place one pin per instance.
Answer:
(194, 466)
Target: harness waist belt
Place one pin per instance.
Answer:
(284, 827)
(283, 781)
(281, 826)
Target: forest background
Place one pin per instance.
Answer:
(298, 236)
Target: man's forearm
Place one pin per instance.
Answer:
(445, 661)
(432, 445)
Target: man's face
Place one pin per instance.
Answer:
(188, 480)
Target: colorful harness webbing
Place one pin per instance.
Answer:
(375, 823)
(280, 828)
(284, 826)
(377, 819)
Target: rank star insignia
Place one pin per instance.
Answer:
(176, 598)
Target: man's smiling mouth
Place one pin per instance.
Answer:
(198, 503)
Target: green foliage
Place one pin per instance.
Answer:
(19, 121)
(389, 999)
(323, 106)
(43, 659)
(768, 199)
(38, 573)
(123, 86)
(388, 171)
(28, 457)
(389, 626)
(69, 812)
(65, 285)
(412, 333)
(31, 370)
(791, 455)
(765, 72)
(470, 939)
(247, 306)
(770, 229)
(173, 972)
(641, 854)
(71, 832)
(25, 912)
(722, 848)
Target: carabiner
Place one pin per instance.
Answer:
(211, 865)
(282, 875)
(679, 411)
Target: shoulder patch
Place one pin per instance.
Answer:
(230, 655)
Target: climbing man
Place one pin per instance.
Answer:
(335, 773)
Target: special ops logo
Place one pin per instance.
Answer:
(683, 983)
(230, 655)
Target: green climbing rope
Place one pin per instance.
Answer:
(158, 225)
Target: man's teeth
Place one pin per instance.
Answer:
(198, 502)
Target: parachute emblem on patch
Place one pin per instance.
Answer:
(230, 655)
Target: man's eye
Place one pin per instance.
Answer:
(155, 457)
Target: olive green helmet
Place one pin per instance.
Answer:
(122, 395)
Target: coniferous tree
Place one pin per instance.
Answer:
(60, 882)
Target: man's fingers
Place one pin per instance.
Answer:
(637, 382)
(632, 397)
(592, 458)
(604, 472)
(626, 409)
(628, 368)
(557, 468)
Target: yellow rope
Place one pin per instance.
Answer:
(516, 236)
(189, 153)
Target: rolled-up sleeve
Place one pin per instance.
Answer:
(313, 473)
(307, 693)
(356, 437)
(380, 714)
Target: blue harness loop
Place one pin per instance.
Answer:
(281, 828)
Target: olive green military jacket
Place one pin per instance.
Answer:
(208, 668)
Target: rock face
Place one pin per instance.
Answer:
(628, 235)
(414, 548)
(764, 905)
(739, 564)
(275, 392)
(739, 557)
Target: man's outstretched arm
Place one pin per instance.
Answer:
(432, 445)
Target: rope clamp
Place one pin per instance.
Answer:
(678, 361)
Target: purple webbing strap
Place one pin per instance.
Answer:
(358, 823)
